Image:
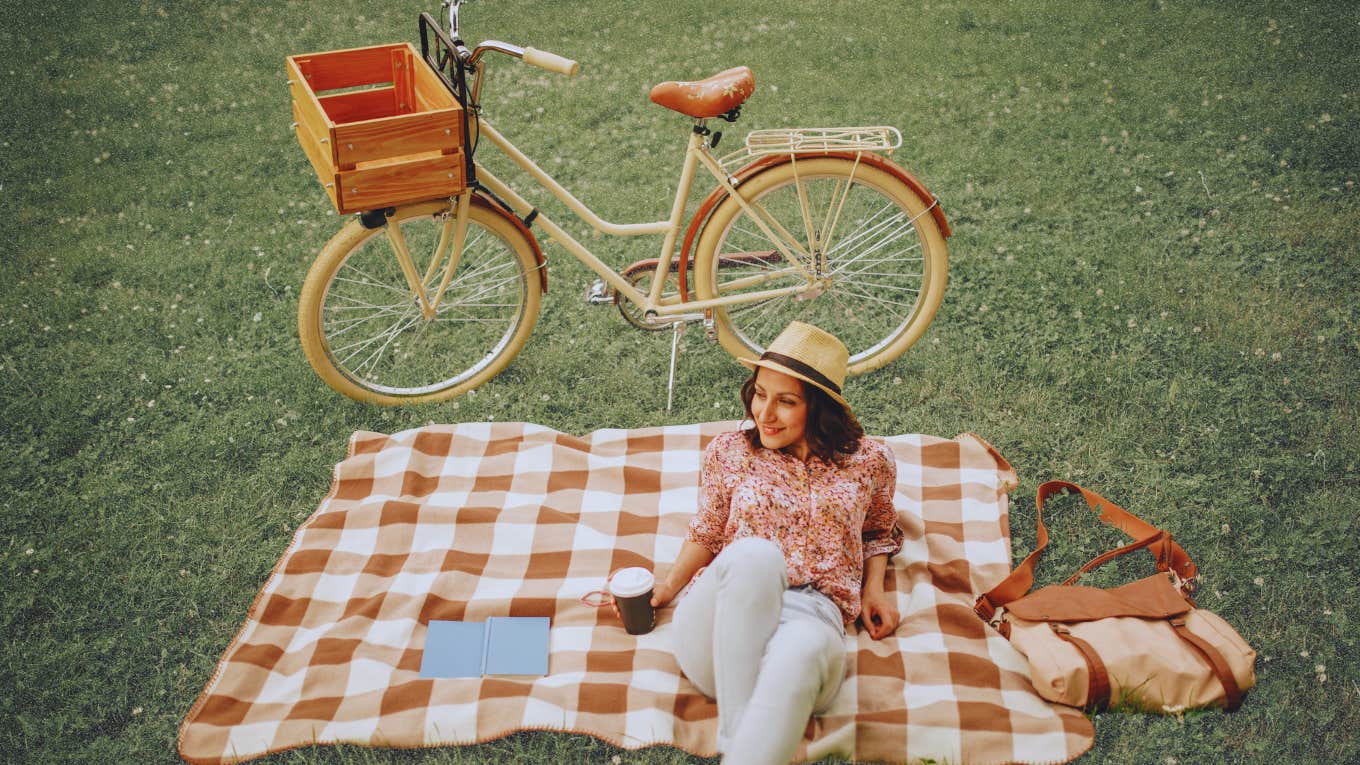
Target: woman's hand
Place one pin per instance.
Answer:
(878, 611)
(663, 593)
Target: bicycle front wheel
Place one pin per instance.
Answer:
(862, 242)
(362, 326)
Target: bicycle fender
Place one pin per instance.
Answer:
(524, 231)
(765, 163)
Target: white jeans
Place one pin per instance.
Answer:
(770, 656)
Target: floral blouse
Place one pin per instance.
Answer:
(827, 518)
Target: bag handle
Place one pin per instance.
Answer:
(1170, 556)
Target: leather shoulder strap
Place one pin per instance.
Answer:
(1097, 677)
(1231, 692)
(1170, 556)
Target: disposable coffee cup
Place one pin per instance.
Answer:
(632, 591)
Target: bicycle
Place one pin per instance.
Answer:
(427, 300)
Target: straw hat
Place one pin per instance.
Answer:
(810, 354)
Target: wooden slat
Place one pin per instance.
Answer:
(403, 82)
(325, 171)
(395, 136)
(401, 182)
(350, 67)
(360, 105)
(430, 92)
(307, 110)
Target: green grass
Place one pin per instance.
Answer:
(1153, 291)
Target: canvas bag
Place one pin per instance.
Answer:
(1143, 645)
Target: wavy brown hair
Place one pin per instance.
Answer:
(832, 431)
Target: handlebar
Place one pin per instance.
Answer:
(539, 58)
(551, 61)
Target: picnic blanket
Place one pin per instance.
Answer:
(470, 521)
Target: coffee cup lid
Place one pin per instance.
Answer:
(630, 582)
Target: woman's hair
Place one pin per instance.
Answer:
(832, 430)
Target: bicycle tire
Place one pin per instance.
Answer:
(362, 329)
(885, 257)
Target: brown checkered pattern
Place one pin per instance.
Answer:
(494, 519)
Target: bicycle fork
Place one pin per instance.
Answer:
(455, 228)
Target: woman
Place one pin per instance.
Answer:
(797, 521)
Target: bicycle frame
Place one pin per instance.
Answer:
(696, 153)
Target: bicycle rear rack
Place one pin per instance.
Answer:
(800, 140)
(793, 141)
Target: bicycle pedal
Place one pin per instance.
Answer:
(598, 293)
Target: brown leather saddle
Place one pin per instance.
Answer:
(711, 97)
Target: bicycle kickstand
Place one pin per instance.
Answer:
(677, 330)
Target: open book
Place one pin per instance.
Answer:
(502, 645)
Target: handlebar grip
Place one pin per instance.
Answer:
(551, 61)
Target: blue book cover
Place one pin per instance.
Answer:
(502, 645)
(516, 645)
(453, 649)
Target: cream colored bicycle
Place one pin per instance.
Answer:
(425, 301)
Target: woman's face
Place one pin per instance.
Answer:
(779, 409)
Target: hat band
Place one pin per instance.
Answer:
(802, 369)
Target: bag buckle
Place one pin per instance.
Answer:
(992, 615)
(1187, 586)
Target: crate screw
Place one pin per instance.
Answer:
(292, 126)
(351, 146)
(324, 140)
(447, 131)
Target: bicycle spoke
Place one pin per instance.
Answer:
(877, 299)
(866, 270)
(874, 230)
(369, 281)
(337, 328)
(851, 286)
(377, 354)
(872, 249)
(385, 337)
(486, 288)
(358, 303)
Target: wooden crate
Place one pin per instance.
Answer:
(378, 125)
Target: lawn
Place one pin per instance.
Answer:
(1153, 291)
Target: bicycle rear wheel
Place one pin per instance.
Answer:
(362, 327)
(861, 231)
